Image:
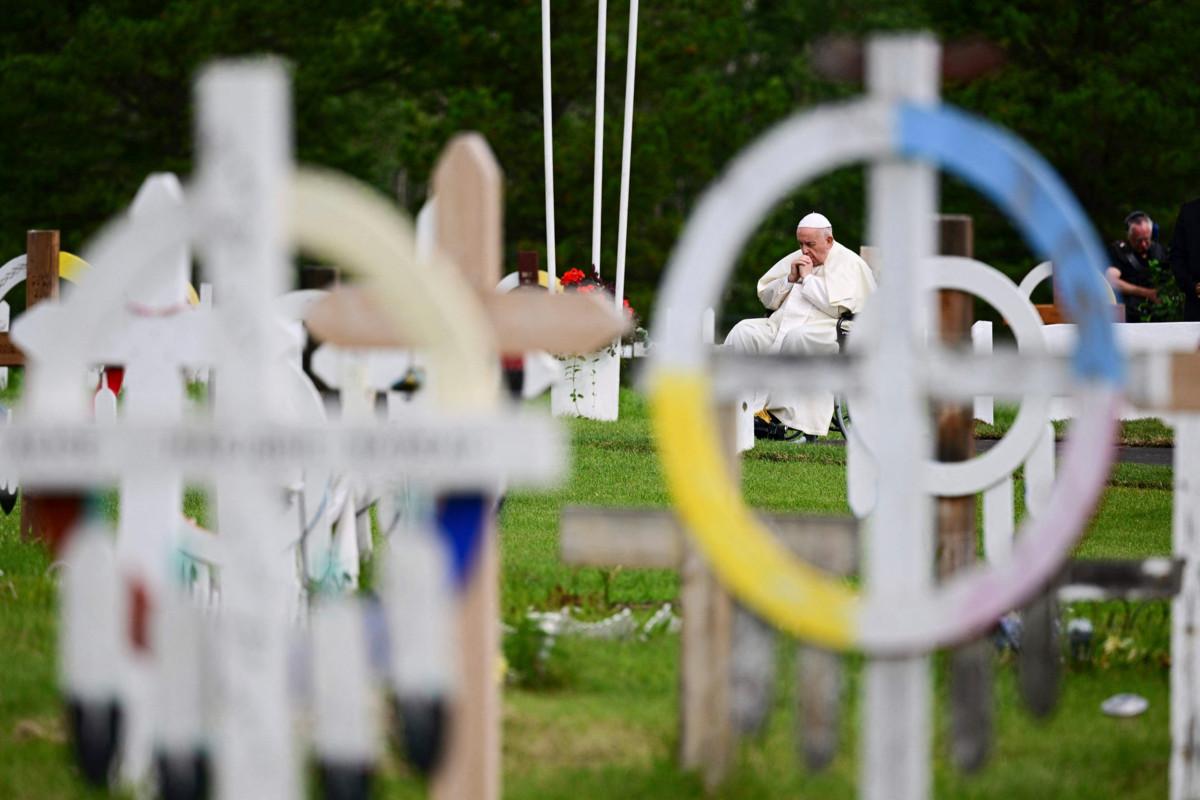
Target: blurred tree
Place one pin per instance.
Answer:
(94, 95)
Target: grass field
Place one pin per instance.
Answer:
(598, 719)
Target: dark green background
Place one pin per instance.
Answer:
(94, 95)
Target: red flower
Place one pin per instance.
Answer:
(571, 277)
(587, 289)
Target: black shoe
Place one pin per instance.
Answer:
(768, 426)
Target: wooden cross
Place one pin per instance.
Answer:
(467, 210)
(713, 671)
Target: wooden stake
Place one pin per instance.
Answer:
(970, 665)
(819, 701)
(41, 283)
(527, 268)
(469, 189)
(706, 738)
(1038, 669)
(819, 678)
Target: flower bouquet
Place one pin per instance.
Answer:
(591, 381)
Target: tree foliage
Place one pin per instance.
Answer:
(95, 95)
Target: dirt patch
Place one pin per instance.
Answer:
(46, 729)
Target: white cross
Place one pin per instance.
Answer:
(235, 212)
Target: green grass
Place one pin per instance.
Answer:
(607, 727)
(1134, 433)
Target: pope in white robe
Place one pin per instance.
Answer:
(806, 290)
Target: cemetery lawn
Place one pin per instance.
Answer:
(1134, 432)
(597, 719)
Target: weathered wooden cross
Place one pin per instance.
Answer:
(726, 672)
(727, 656)
(467, 219)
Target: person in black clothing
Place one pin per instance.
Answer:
(1185, 258)
(1132, 262)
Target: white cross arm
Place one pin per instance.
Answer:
(471, 452)
(187, 338)
(1159, 380)
(1168, 381)
(947, 375)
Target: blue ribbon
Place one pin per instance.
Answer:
(460, 521)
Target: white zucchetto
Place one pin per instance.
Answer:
(814, 220)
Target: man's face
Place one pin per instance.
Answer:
(815, 243)
(1139, 236)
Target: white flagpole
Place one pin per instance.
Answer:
(626, 145)
(598, 161)
(548, 139)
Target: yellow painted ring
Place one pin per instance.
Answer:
(801, 599)
(71, 268)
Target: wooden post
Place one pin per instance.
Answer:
(41, 277)
(706, 738)
(41, 283)
(527, 268)
(1039, 671)
(970, 665)
(468, 186)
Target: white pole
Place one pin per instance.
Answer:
(898, 547)
(1185, 613)
(626, 145)
(598, 161)
(548, 139)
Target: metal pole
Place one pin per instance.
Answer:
(626, 146)
(548, 140)
(598, 160)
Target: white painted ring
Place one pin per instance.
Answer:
(742, 552)
(1034, 278)
(968, 477)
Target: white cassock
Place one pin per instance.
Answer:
(804, 321)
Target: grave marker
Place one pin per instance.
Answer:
(900, 127)
(653, 539)
(236, 213)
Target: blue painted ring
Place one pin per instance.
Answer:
(1018, 180)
